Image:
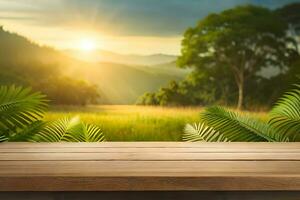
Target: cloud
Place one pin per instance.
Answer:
(123, 17)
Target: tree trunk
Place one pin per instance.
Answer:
(239, 79)
(241, 93)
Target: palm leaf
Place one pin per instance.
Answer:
(27, 133)
(4, 134)
(87, 133)
(201, 132)
(58, 130)
(236, 127)
(20, 107)
(3, 138)
(286, 114)
(69, 130)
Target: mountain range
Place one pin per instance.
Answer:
(121, 79)
(127, 59)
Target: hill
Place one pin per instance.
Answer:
(123, 84)
(128, 59)
(23, 62)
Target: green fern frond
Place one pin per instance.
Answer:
(20, 107)
(27, 133)
(87, 133)
(286, 114)
(3, 138)
(70, 130)
(289, 104)
(237, 127)
(58, 130)
(201, 132)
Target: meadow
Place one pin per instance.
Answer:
(135, 123)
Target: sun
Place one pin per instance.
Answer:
(87, 45)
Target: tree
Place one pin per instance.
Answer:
(198, 88)
(242, 40)
(69, 91)
(147, 99)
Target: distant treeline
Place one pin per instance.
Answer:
(245, 56)
(27, 64)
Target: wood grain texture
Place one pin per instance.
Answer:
(165, 195)
(147, 156)
(153, 166)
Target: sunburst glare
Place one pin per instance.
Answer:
(87, 45)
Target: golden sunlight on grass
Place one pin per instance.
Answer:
(136, 123)
(133, 123)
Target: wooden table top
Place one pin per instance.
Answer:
(149, 166)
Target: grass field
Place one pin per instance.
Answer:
(134, 123)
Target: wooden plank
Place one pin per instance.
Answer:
(146, 150)
(150, 195)
(149, 168)
(209, 183)
(46, 149)
(148, 176)
(261, 145)
(154, 156)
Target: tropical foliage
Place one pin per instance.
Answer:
(21, 112)
(226, 125)
(201, 132)
(286, 114)
(69, 130)
(20, 109)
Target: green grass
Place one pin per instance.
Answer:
(134, 123)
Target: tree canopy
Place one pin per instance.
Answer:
(242, 40)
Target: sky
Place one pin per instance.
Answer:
(123, 26)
